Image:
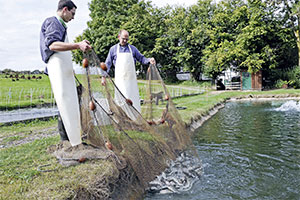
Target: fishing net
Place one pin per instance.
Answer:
(145, 141)
(159, 110)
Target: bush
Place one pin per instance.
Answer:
(294, 77)
(280, 83)
(291, 77)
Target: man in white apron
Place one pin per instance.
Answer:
(124, 56)
(56, 52)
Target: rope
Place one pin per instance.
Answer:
(40, 168)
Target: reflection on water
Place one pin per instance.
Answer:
(249, 150)
(26, 114)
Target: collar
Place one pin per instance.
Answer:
(62, 21)
(123, 46)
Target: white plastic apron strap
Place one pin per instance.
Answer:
(60, 70)
(125, 79)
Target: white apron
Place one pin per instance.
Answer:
(125, 77)
(61, 75)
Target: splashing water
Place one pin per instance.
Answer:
(179, 177)
(289, 106)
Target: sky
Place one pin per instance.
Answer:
(21, 21)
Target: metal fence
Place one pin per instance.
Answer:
(175, 91)
(18, 97)
(14, 97)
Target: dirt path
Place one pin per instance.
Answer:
(21, 138)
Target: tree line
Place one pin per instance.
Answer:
(207, 37)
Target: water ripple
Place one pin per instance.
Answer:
(249, 150)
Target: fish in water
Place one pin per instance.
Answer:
(179, 177)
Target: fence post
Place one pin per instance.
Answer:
(20, 97)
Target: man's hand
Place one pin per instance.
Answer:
(103, 81)
(152, 61)
(84, 45)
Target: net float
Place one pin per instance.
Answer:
(81, 160)
(129, 102)
(166, 97)
(92, 105)
(108, 145)
(85, 63)
(151, 123)
(103, 66)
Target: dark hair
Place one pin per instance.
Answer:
(66, 3)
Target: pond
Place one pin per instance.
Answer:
(249, 150)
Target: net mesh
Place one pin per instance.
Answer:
(147, 141)
(159, 110)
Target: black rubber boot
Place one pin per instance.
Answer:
(61, 129)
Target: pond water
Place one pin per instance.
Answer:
(249, 150)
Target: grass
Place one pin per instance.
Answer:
(34, 92)
(200, 104)
(24, 92)
(21, 179)
(19, 166)
(19, 131)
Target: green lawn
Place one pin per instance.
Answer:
(24, 92)
(200, 104)
(34, 92)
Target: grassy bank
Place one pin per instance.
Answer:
(201, 104)
(19, 174)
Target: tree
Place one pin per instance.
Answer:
(144, 26)
(205, 37)
(198, 38)
(265, 42)
(288, 12)
(225, 25)
(245, 35)
(169, 47)
(107, 17)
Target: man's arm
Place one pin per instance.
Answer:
(63, 46)
(140, 57)
(109, 62)
(110, 58)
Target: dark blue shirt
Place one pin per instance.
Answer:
(112, 55)
(52, 30)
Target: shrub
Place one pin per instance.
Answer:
(294, 77)
(280, 83)
(291, 77)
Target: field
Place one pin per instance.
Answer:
(34, 92)
(24, 92)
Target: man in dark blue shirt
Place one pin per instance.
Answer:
(56, 52)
